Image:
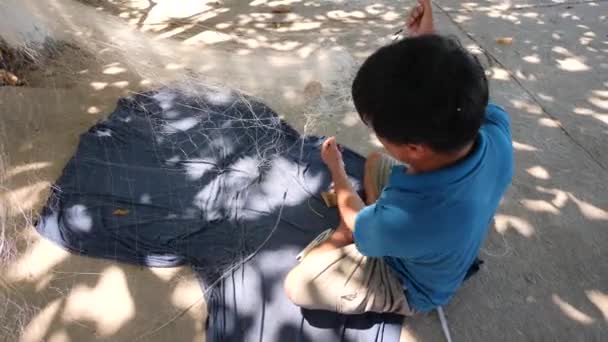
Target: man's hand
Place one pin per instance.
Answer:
(331, 155)
(420, 19)
(349, 202)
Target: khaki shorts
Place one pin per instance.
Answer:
(345, 281)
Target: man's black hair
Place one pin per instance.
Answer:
(423, 90)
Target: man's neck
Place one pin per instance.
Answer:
(440, 160)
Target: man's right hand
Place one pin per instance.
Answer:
(420, 19)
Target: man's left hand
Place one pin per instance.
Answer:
(331, 155)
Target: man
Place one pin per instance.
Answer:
(430, 197)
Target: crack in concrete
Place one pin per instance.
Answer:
(566, 3)
(530, 6)
(546, 112)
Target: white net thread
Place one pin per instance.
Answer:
(311, 89)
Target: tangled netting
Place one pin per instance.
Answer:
(302, 72)
(169, 179)
(311, 88)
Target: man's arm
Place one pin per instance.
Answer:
(420, 19)
(349, 202)
(419, 22)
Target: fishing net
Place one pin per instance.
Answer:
(296, 57)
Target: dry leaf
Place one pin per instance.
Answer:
(504, 40)
(281, 9)
(120, 212)
(330, 199)
(8, 78)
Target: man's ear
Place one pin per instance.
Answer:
(416, 151)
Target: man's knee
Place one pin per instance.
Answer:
(372, 160)
(369, 181)
(371, 166)
(293, 285)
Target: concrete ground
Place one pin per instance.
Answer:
(546, 274)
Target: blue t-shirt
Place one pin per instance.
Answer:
(429, 226)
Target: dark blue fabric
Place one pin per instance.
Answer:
(208, 179)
